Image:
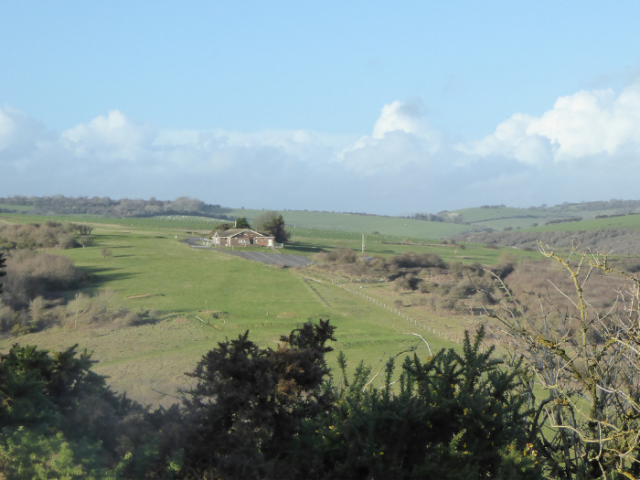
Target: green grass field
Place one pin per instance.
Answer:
(501, 217)
(159, 272)
(344, 222)
(305, 241)
(22, 208)
(627, 222)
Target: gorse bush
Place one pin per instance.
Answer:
(263, 413)
(453, 416)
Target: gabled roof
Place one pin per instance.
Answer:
(237, 231)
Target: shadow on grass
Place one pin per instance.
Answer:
(305, 248)
(99, 276)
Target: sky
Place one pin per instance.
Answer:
(379, 107)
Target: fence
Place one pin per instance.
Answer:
(391, 309)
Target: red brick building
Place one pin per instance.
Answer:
(242, 237)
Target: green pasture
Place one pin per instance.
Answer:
(627, 222)
(309, 242)
(156, 271)
(345, 222)
(304, 241)
(23, 208)
(501, 217)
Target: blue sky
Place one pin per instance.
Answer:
(389, 107)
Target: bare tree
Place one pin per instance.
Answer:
(584, 364)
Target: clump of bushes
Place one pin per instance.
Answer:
(31, 300)
(31, 274)
(42, 235)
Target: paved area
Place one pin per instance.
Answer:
(257, 254)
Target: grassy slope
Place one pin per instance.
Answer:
(628, 222)
(312, 241)
(268, 301)
(501, 217)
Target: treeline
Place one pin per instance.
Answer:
(617, 241)
(563, 220)
(440, 217)
(61, 205)
(624, 206)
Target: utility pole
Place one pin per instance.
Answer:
(363, 244)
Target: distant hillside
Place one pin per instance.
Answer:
(616, 241)
(420, 225)
(499, 217)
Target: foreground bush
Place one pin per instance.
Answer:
(453, 416)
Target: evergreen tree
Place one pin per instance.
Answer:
(242, 222)
(249, 402)
(2, 272)
(272, 223)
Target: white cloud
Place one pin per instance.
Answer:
(587, 123)
(403, 165)
(395, 116)
(110, 137)
(401, 136)
(19, 133)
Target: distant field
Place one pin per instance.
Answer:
(399, 227)
(629, 222)
(501, 217)
(24, 208)
(309, 242)
(357, 224)
(164, 223)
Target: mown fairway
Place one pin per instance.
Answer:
(157, 271)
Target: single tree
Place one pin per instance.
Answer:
(221, 227)
(273, 223)
(84, 240)
(106, 252)
(242, 222)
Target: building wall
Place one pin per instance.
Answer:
(244, 240)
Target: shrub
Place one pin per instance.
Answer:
(424, 260)
(408, 282)
(451, 416)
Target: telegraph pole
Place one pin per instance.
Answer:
(363, 244)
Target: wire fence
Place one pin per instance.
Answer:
(417, 323)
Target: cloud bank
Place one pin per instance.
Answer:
(586, 147)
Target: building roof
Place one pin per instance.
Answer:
(236, 231)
